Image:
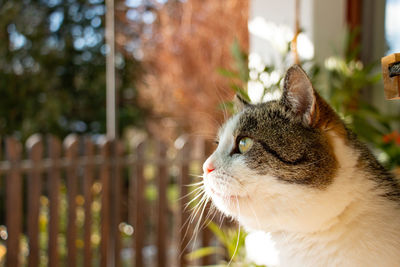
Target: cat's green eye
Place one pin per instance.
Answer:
(245, 144)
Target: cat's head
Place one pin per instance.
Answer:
(275, 161)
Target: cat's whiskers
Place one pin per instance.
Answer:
(197, 227)
(224, 110)
(223, 217)
(196, 207)
(194, 199)
(201, 206)
(225, 185)
(195, 184)
(206, 115)
(194, 191)
(195, 210)
(212, 211)
(196, 175)
(221, 100)
(192, 216)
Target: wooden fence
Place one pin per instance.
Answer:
(86, 203)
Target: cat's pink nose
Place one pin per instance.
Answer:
(208, 167)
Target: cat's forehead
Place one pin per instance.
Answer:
(254, 119)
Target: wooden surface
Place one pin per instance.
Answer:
(87, 194)
(13, 203)
(99, 174)
(162, 215)
(118, 151)
(391, 84)
(140, 206)
(34, 147)
(105, 173)
(54, 147)
(71, 148)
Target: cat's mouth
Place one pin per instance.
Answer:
(219, 188)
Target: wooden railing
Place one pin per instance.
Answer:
(86, 203)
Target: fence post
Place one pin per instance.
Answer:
(14, 202)
(34, 146)
(71, 153)
(118, 152)
(162, 204)
(54, 147)
(105, 173)
(87, 194)
(184, 214)
(139, 205)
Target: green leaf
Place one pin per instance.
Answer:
(241, 60)
(218, 233)
(205, 251)
(228, 73)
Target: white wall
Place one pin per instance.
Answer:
(329, 27)
(323, 22)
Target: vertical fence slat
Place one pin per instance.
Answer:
(117, 186)
(184, 215)
(162, 205)
(105, 204)
(34, 147)
(139, 206)
(54, 148)
(14, 203)
(132, 195)
(87, 194)
(71, 153)
(206, 234)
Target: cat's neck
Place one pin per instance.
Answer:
(364, 234)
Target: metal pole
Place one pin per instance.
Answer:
(110, 72)
(111, 110)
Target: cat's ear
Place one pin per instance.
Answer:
(299, 95)
(240, 103)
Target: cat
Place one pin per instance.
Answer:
(292, 168)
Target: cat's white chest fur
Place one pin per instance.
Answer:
(368, 242)
(365, 233)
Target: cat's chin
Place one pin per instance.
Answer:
(238, 208)
(226, 196)
(230, 205)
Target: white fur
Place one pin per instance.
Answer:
(346, 224)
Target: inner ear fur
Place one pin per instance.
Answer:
(301, 98)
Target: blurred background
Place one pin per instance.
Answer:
(73, 193)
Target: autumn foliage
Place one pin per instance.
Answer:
(190, 41)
